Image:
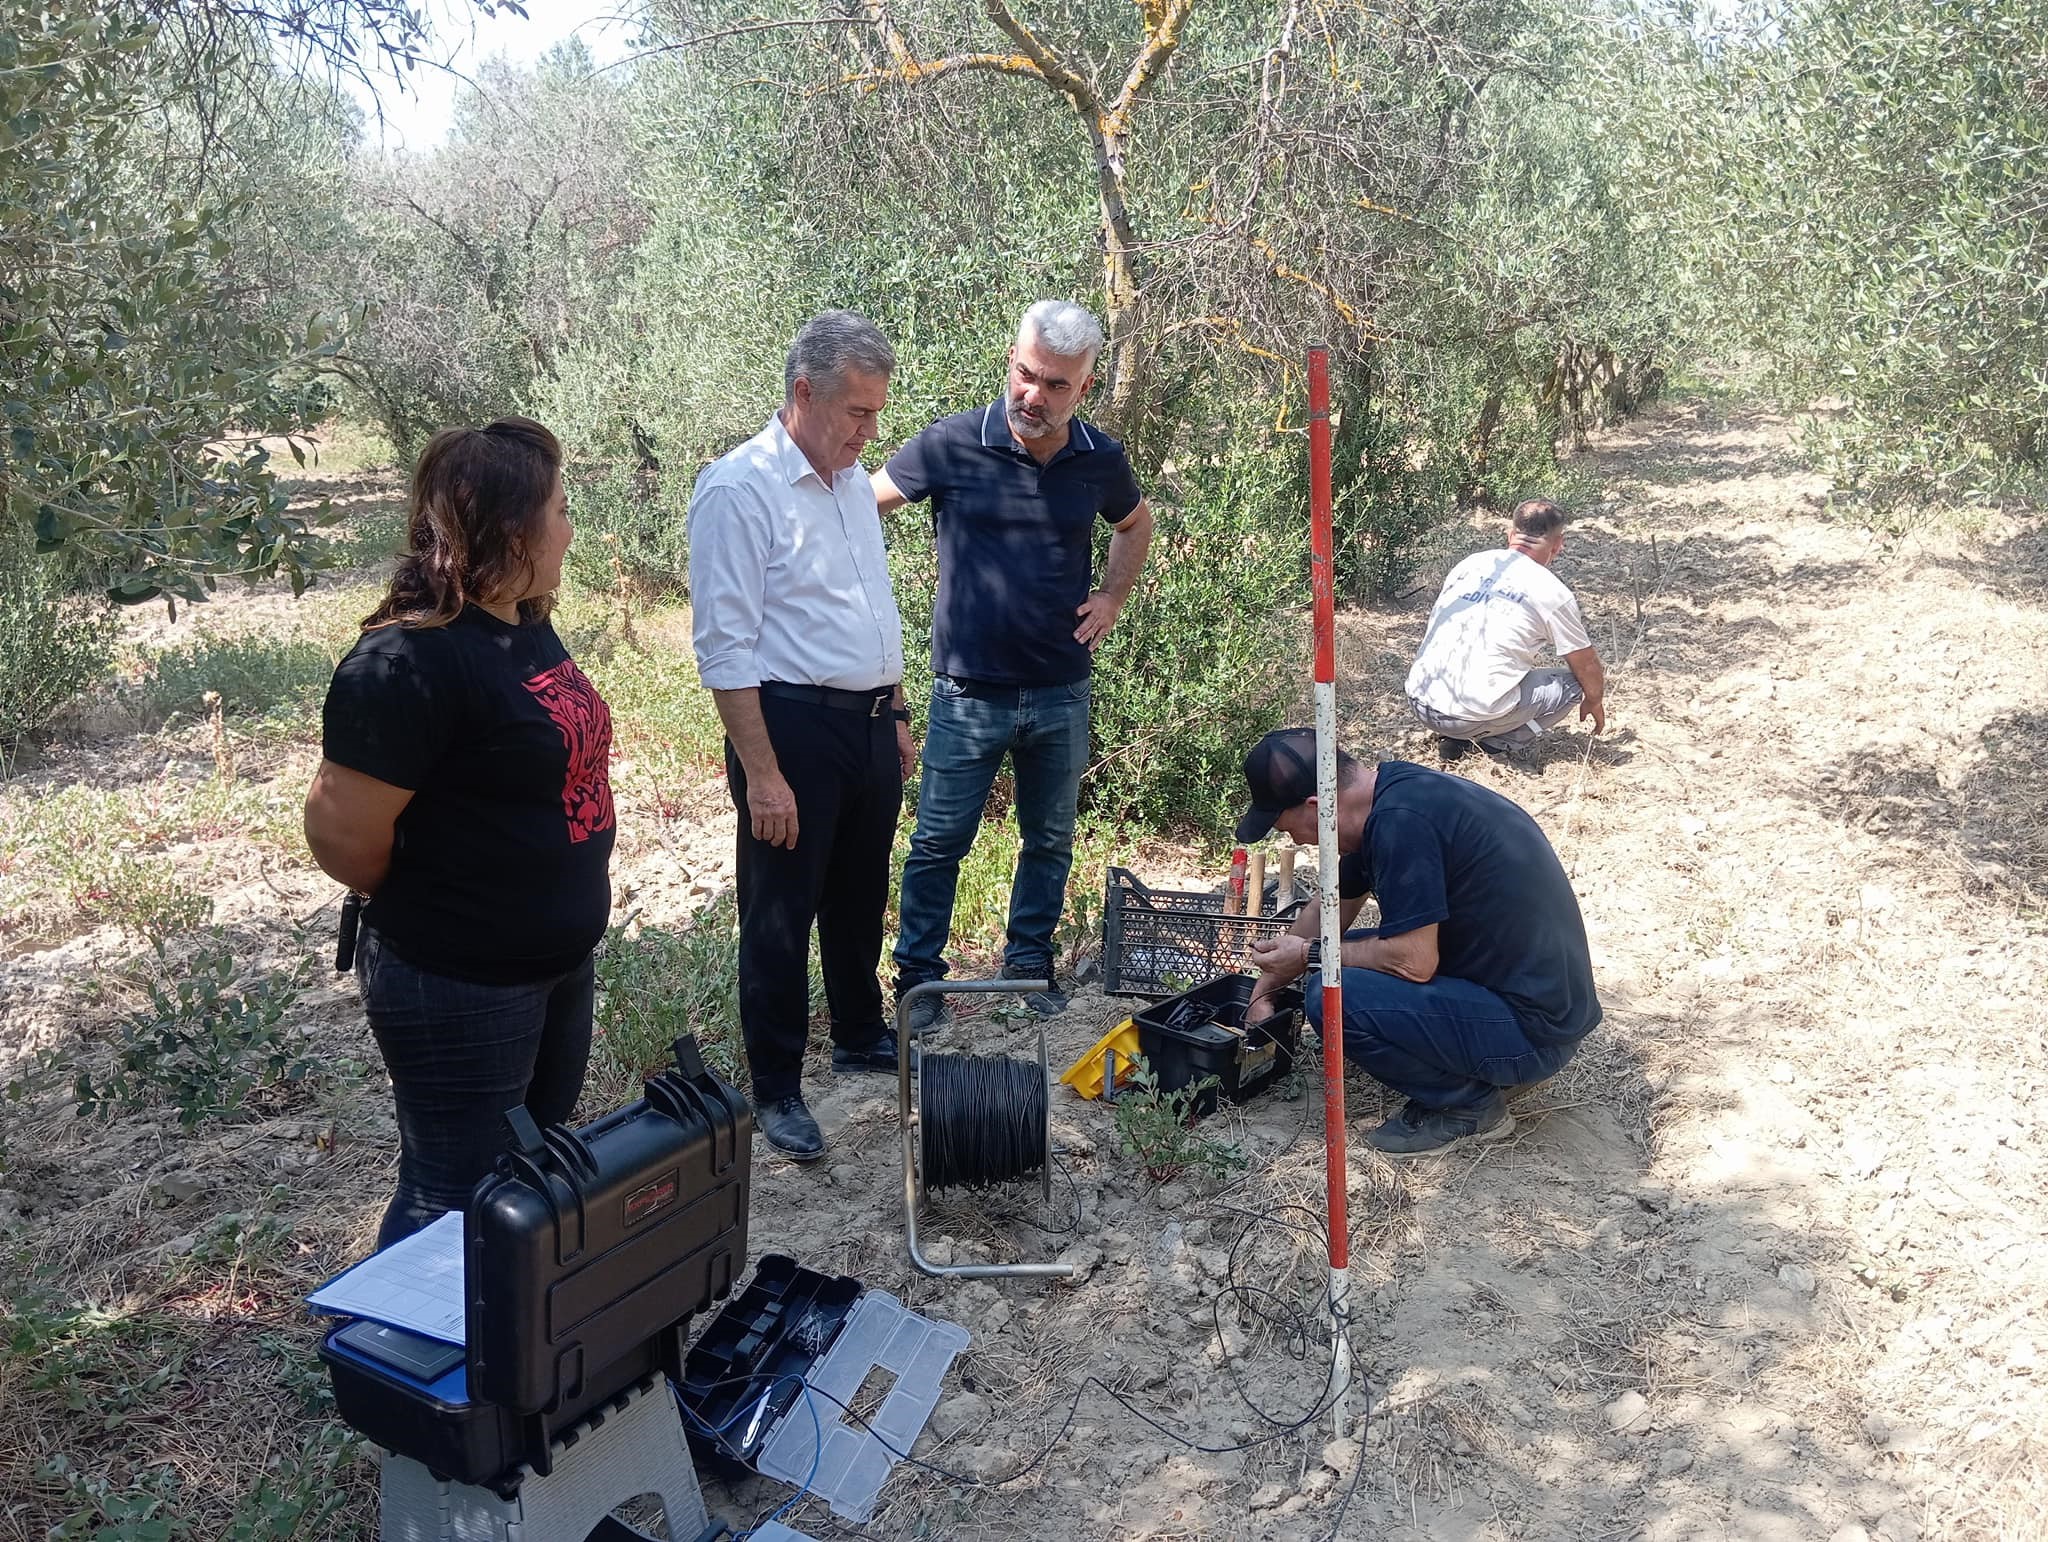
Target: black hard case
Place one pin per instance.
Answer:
(580, 1252)
(587, 1252)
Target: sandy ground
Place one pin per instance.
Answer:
(1764, 1263)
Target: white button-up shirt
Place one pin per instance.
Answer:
(788, 577)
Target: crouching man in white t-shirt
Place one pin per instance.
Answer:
(1479, 677)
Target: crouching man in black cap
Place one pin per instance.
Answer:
(1477, 979)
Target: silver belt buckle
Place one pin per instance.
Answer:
(876, 709)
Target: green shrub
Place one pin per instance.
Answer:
(51, 648)
(631, 527)
(144, 896)
(211, 1038)
(1209, 643)
(1158, 1128)
(257, 676)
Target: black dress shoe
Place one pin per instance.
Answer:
(788, 1126)
(878, 1056)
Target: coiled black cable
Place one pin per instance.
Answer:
(981, 1121)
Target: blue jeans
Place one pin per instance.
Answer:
(460, 1055)
(1447, 1044)
(1044, 731)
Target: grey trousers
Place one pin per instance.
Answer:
(1546, 698)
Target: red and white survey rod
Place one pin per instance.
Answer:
(1325, 585)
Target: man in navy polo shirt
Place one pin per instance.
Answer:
(1477, 980)
(1017, 488)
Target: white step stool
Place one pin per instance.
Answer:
(631, 1447)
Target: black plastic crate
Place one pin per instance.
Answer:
(1156, 942)
(1201, 1033)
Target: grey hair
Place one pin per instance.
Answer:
(829, 345)
(1067, 329)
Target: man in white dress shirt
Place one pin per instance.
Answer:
(798, 637)
(1479, 677)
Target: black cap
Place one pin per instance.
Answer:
(1281, 771)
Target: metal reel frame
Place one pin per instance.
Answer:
(910, 1120)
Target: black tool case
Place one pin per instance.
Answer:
(1201, 1033)
(586, 1253)
(743, 1373)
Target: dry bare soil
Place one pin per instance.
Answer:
(1765, 1263)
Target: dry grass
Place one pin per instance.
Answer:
(1811, 858)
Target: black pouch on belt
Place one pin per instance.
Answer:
(345, 938)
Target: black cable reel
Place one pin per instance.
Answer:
(980, 1121)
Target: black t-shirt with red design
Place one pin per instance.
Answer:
(501, 870)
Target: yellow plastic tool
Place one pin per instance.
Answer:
(1085, 1074)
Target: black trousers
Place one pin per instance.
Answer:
(848, 783)
(460, 1055)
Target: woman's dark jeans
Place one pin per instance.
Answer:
(460, 1055)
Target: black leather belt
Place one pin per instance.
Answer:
(873, 703)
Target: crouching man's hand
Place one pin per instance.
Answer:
(1281, 960)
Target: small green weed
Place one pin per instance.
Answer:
(145, 897)
(300, 1373)
(91, 1360)
(85, 852)
(1158, 1128)
(210, 1039)
(247, 1241)
(144, 1510)
(301, 1491)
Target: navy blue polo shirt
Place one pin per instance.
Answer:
(1016, 542)
(1441, 849)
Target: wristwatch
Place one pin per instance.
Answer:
(901, 714)
(1315, 957)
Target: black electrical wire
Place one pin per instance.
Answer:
(982, 1120)
(1065, 1229)
(971, 1097)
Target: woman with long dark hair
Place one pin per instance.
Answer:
(465, 789)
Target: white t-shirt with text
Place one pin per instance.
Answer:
(1495, 615)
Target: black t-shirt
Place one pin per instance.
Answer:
(1016, 542)
(501, 869)
(1439, 848)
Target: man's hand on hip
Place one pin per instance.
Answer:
(772, 808)
(1098, 614)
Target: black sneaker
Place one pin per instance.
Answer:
(787, 1125)
(1452, 749)
(928, 1014)
(1417, 1131)
(1047, 1003)
(878, 1056)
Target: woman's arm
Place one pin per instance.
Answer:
(351, 820)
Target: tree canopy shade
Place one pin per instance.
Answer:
(152, 333)
(1857, 190)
